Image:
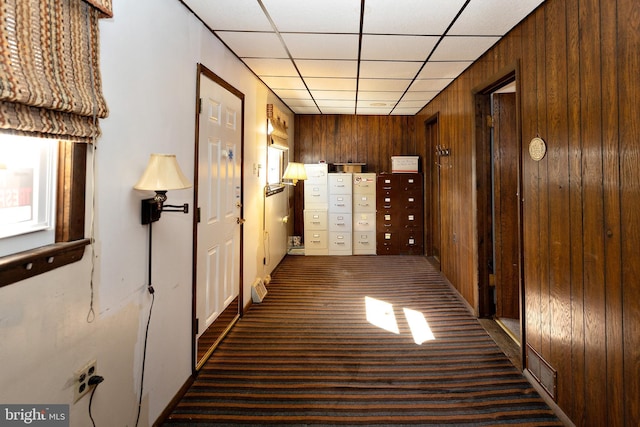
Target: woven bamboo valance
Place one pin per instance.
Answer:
(50, 82)
(103, 6)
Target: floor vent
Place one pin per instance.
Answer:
(542, 372)
(258, 291)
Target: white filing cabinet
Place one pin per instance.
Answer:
(364, 213)
(340, 213)
(316, 216)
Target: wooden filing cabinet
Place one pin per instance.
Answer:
(364, 213)
(400, 214)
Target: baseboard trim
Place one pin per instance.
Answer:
(548, 400)
(174, 402)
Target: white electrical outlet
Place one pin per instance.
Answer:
(81, 379)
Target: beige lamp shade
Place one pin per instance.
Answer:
(295, 172)
(163, 173)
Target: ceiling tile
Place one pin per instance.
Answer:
(317, 83)
(458, 48)
(292, 93)
(239, 15)
(430, 84)
(306, 110)
(337, 110)
(389, 69)
(480, 17)
(419, 95)
(399, 48)
(315, 16)
(409, 16)
(318, 68)
(449, 69)
(299, 102)
(383, 85)
(322, 46)
(333, 103)
(379, 96)
(253, 45)
(283, 82)
(333, 94)
(271, 67)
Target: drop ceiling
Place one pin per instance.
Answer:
(362, 57)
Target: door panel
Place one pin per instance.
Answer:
(218, 234)
(505, 194)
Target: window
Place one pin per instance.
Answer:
(27, 192)
(42, 206)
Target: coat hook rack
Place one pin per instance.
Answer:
(442, 152)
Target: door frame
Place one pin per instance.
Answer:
(202, 70)
(484, 188)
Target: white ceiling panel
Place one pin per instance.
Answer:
(284, 82)
(430, 85)
(419, 95)
(379, 96)
(337, 110)
(315, 16)
(292, 93)
(319, 68)
(271, 67)
(333, 94)
(479, 18)
(398, 48)
(448, 69)
(306, 110)
(299, 102)
(329, 83)
(454, 48)
(389, 69)
(409, 16)
(237, 15)
(334, 103)
(313, 52)
(253, 45)
(322, 46)
(384, 85)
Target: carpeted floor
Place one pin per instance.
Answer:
(368, 340)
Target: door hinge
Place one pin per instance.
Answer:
(198, 215)
(196, 326)
(199, 105)
(490, 121)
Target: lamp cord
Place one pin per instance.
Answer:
(146, 334)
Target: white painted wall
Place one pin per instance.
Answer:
(149, 52)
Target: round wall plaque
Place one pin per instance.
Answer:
(537, 149)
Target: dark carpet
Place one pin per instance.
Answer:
(308, 355)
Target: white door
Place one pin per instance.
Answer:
(219, 200)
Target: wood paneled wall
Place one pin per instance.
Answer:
(580, 91)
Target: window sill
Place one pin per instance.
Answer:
(23, 265)
(270, 190)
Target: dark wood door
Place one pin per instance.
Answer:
(505, 205)
(433, 226)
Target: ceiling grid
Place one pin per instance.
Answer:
(376, 57)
